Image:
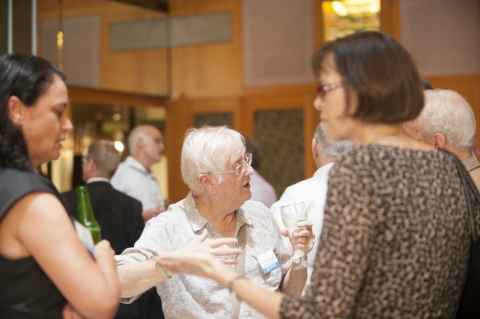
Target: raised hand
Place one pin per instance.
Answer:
(201, 256)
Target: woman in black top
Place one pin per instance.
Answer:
(44, 269)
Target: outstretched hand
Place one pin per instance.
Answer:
(201, 256)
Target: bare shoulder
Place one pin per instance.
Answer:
(39, 206)
(33, 214)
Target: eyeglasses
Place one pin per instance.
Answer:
(324, 88)
(239, 168)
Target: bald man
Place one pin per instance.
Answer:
(133, 176)
(447, 121)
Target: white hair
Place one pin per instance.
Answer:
(447, 112)
(208, 150)
(329, 148)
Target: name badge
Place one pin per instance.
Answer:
(268, 261)
(85, 236)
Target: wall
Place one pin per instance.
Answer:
(444, 39)
(265, 66)
(200, 71)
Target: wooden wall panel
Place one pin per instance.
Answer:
(284, 97)
(209, 70)
(213, 70)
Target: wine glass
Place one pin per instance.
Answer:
(295, 216)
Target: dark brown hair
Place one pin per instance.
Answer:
(380, 72)
(28, 78)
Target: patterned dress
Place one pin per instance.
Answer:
(395, 242)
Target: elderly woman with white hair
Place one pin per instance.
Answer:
(216, 168)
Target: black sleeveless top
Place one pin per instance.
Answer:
(25, 291)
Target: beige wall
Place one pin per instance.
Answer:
(442, 35)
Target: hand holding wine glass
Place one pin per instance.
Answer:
(295, 218)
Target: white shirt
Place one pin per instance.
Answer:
(261, 190)
(314, 191)
(135, 180)
(186, 296)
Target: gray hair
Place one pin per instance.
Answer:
(332, 149)
(208, 150)
(447, 112)
(105, 157)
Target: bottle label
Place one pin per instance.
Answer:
(85, 236)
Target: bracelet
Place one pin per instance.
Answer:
(229, 284)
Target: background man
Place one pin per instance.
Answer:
(313, 191)
(133, 176)
(447, 121)
(119, 217)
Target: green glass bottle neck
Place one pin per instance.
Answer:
(84, 206)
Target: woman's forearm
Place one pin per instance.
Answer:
(294, 281)
(106, 263)
(263, 300)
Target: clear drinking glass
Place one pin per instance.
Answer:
(295, 216)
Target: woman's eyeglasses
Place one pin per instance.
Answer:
(239, 168)
(324, 88)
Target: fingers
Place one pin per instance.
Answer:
(226, 251)
(302, 233)
(302, 238)
(103, 247)
(70, 313)
(203, 235)
(226, 241)
(284, 232)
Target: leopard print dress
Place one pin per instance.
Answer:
(395, 241)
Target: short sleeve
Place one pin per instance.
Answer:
(16, 184)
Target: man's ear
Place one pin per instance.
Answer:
(93, 166)
(439, 140)
(314, 149)
(15, 110)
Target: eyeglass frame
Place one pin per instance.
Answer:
(324, 88)
(238, 169)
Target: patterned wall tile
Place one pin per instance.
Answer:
(279, 135)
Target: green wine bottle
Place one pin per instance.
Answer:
(85, 214)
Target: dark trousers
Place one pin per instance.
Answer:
(147, 306)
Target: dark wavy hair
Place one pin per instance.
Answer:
(27, 78)
(380, 71)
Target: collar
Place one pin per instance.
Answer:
(471, 163)
(98, 179)
(198, 222)
(322, 169)
(130, 161)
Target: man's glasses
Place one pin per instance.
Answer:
(239, 168)
(324, 88)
